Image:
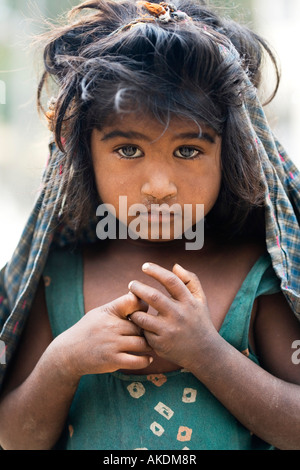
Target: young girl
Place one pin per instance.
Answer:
(136, 342)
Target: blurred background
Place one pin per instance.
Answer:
(24, 135)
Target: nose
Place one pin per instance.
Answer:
(159, 185)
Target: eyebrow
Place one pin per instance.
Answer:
(127, 135)
(137, 135)
(197, 135)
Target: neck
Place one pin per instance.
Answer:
(141, 242)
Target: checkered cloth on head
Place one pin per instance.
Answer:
(20, 277)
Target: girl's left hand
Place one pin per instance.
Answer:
(182, 329)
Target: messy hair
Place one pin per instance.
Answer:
(101, 69)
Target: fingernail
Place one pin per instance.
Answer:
(146, 266)
(178, 265)
(150, 359)
(130, 284)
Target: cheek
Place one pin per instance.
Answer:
(212, 193)
(108, 180)
(103, 183)
(213, 181)
(214, 185)
(113, 185)
(203, 186)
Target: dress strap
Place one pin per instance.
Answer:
(63, 278)
(261, 280)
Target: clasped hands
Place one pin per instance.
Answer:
(104, 340)
(183, 322)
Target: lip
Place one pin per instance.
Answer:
(160, 213)
(158, 216)
(164, 213)
(160, 208)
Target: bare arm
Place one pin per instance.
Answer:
(32, 415)
(33, 380)
(44, 377)
(266, 402)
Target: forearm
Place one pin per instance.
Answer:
(33, 415)
(264, 404)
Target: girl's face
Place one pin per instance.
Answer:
(138, 158)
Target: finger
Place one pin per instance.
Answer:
(151, 339)
(146, 321)
(129, 328)
(130, 361)
(151, 295)
(136, 344)
(190, 280)
(172, 283)
(126, 305)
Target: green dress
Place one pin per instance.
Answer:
(170, 411)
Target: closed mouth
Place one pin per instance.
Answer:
(164, 210)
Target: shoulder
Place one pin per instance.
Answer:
(274, 327)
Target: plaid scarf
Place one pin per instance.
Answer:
(20, 277)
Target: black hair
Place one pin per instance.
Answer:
(163, 69)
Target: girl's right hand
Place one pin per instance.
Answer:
(104, 340)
